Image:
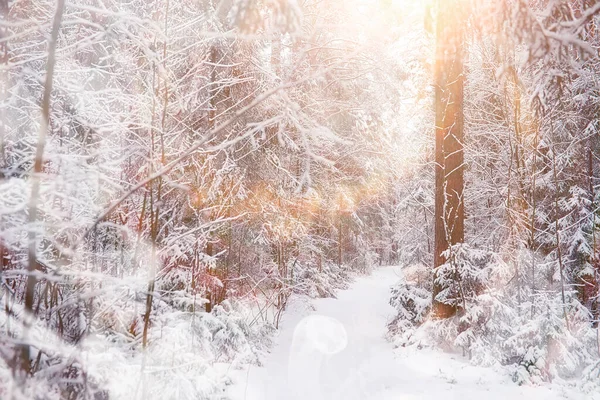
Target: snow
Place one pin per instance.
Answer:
(334, 349)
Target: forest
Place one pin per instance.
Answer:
(179, 177)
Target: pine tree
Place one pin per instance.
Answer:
(449, 183)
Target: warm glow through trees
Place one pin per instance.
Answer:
(178, 177)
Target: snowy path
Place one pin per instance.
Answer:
(367, 367)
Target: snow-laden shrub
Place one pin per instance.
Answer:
(552, 341)
(412, 305)
(185, 355)
(484, 317)
(59, 368)
(591, 378)
(464, 275)
(531, 368)
(365, 261)
(321, 282)
(483, 327)
(232, 337)
(538, 337)
(537, 345)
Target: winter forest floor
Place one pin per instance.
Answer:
(367, 367)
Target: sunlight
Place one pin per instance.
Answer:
(333, 200)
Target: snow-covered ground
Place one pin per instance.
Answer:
(335, 349)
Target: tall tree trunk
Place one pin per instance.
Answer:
(209, 297)
(595, 290)
(32, 264)
(212, 115)
(449, 183)
(340, 239)
(155, 206)
(557, 236)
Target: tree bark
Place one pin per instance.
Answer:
(449, 182)
(209, 304)
(32, 264)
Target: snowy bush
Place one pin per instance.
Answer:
(539, 339)
(183, 359)
(464, 275)
(321, 282)
(591, 378)
(365, 261)
(412, 305)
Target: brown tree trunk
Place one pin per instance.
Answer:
(32, 264)
(340, 237)
(155, 206)
(449, 183)
(209, 303)
(593, 285)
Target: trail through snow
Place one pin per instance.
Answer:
(338, 352)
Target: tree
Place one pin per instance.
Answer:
(449, 182)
